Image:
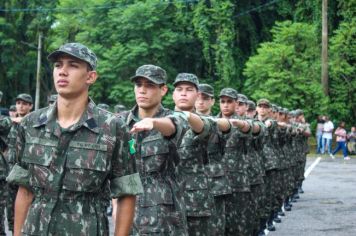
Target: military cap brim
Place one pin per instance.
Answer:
(134, 78)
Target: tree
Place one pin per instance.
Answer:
(286, 70)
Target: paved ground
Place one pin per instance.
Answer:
(328, 206)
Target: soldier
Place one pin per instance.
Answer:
(271, 160)
(5, 125)
(228, 97)
(67, 155)
(160, 209)
(119, 108)
(215, 166)
(198, 198)
(104, 106)
(12, 111)
(52, 99)
(205, 100)
(24, 104)
(251, 111)
(304, 134)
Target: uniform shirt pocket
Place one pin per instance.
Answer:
(86, 166)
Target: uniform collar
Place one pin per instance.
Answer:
(133, 115)
(89, 119)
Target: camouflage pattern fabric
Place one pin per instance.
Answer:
(197, 195)
(237, 215)
(153, 73)
(237, 204)
(187, 77)
(160, 210)
(69, 170)
(5, 125)
(77, 50)
(3, 197)
(11, 188)
(218, 181)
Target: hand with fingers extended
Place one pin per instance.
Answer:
(145, 124)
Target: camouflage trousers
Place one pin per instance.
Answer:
(301, 169)
(218, 220)
(258, 192)
(10, 206)
(199, 226)
(238, 214)
(3, 196)
(271, 190)
(281, 183)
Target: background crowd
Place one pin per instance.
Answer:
(325, 132)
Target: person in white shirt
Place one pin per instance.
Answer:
(327, 135)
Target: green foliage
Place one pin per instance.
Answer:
(287, 70)
(211, 38)
(342, 73)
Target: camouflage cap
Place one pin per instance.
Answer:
(76, 50)
(228, 92)
(153, 73)
(119, 108)
(264, 101)
(12, 108)
(206, 89)
(285, 111)
(251, 105)
(299, 112)
(52, 98)
(104, 106)
(187, 77)
(293, 113)
(24, 97)
(242, 98)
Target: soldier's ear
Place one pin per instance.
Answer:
(92, 76)
(164, 90)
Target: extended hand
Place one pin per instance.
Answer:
(143, 125)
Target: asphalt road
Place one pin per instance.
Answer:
(328, 206)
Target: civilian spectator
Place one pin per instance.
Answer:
(341, 136)
(319, 133)
(327, 135)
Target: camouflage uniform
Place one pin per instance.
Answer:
(5, 125)
(271, 164)
(215, 168)
(191, 170)
(194, 178)
(70, 169)
(160, 210)
(256, 174)
(11, 158)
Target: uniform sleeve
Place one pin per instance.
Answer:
(181, 126)
(19, 173)
(124, 179)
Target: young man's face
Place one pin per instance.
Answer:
(23, 108)
(12, 114)
(72, 77)
(263, 110)
(184, 95)
(227, 106)
(204, 103)
(251, 113)
(148, 94)
(241, 108)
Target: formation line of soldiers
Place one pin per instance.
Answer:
(174, 172)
